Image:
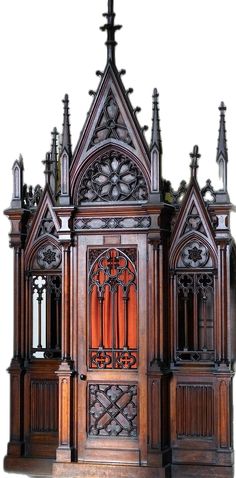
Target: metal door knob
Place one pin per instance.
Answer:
(82, 376)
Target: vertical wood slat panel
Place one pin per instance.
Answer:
(195, 411)
(44, 406)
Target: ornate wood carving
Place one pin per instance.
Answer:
(110, 124)
(31, 197)
(195, 411)
(129, 222)
(112, 177)
(126, 292)
(49, 257)
(44, 406)
(113, 410)
(47, 226)
(195, 254)
(194, 222)
(111, 275)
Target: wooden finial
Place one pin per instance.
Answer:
(111, 28)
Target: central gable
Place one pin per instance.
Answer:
(111, 121)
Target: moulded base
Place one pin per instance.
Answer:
(36, 468)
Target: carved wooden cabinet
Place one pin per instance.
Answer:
(124, 305)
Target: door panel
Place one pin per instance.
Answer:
(112, 388)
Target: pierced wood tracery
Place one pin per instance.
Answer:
(113, 310)
(112, 410)
(112, 177)
(195, 316)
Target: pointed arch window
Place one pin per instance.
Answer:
(194, 285)
(113, 318)
(45, 303)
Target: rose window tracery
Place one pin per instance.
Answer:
(113, 177)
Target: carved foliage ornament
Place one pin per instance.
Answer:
(113, 177)
(49, 257)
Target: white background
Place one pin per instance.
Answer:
(185, 48)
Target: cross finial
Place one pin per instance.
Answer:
(194, 163)
(111, 29)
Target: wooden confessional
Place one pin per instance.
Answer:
(124, 305)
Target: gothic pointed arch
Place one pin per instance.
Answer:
(112, 175)
(45, 222)
(193, 219)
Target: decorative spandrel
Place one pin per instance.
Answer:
(47, 225)
(113, 310)
(113, 410)
(193, 222)
(110, 124)
(112, 177)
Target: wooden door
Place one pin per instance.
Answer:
(112, 332)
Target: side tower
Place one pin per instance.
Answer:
(202, 309)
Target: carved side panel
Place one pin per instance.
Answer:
(44, 406)
(112, 410)
(195, 411)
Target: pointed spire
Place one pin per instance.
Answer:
(54, 151)
(47, 170)
(111, 29)
(18, 181)
(222, 151)
(66, 137)
(51, 166)
(156, 150)
(156, 132)
(194, 163)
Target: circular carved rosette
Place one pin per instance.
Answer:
(113, 177)
(49, 257)
(195, 254)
